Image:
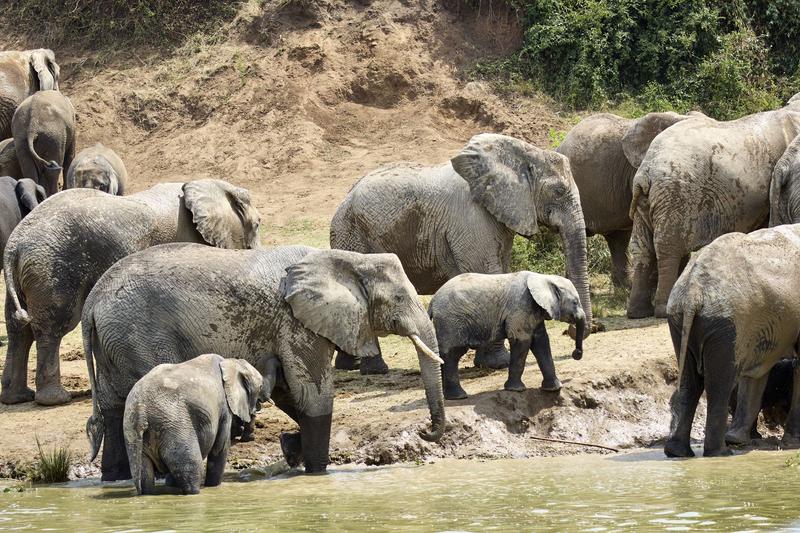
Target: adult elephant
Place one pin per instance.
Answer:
(462, 217)
(97, 167)
(22, 73)
(17, 200)
(57, 253)
(44, 137)
(700, 179)
(173, 302)
(604, 151)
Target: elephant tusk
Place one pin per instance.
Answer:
(424, 349)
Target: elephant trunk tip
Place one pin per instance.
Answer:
(434, 435)
(22, 316)
(52, 165)
(577, 354)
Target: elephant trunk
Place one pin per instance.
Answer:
(573, 238)
(432, 380)
(580, 328)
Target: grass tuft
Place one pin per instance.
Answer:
(53, 465)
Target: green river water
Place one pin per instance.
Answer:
(638, 491)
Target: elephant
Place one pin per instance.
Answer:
(777, 396)
(43, 127)
(17, 199)
(9, 166)
(177, 416)
(784, 187)
(473, 309)
(604, 151)
(171, 302)
(22, 73)
(700, 179)
(58, 252)
(733, 314)
(462, 216)
(97, 167)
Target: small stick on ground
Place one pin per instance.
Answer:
(562, 441)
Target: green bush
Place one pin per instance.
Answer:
(543, 253)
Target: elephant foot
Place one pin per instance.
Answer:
(676, 448)
(660, 311)
(640, 311)
(737, 437)
(373, 365)
(551, 385)
(53, 395)
(514, 385)
(494, 360)
(454, 392)
(10, 396)
(718, 452)
(345, 361)
(169, 480)
(247, 437)
(115, 474)
(292, 449)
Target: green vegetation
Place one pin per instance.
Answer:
(53, 465)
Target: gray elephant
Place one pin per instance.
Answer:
(22, 73)
(784, 187)
(177, 416)
(169, 303)
(17, 199)
(43, 127)
(733, 314)
(471, 310)
(700, 179)
(604, 151)
(9, 166)
(462, 217)
(58, 252)
(97, 167)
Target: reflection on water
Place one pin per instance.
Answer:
(638, 491)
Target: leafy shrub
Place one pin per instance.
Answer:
(543, 253)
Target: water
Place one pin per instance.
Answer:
(639, 491)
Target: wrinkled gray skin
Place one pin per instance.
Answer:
(471, 310)
(43, 128)
(58, 252)
(733, 314)
(17, 199)
(784, 188)
(294, 302)
(604, 151)
(22, 73)
(462, 216)
(9, 166)
(177, 416)
(97, 167)
(700, 179)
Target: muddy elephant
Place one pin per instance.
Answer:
(22, 73)
(471, 310)
(733, 314)
(9, 166)
(604, 151)
(700, 179)
(43, 128)
(784, 187)
(178, 416)
(462, 216)
(97, 167)
(17, 200)
(169, 303)
(58, 252)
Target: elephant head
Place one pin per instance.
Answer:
(521, 185)
(43, 62)
(93, 173)
(9, 165)
(559, 300)
(637, 138)
(222, 213)
(243, 386)
(29, 195)
(784, 188)
(351, 299)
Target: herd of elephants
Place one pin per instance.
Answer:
(189, 325)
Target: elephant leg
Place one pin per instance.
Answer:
(49, 390)
(217, 458)
(748, 404)
(185, 462)
(720, 380)
(248, 431)
(645, 274)
(15, 372)
(669, 267)
(114, 464)
(315, 434)
(540, 346)
(450, 379)
(684, 400)
(291, 443)
(791, 432)
(492, 355)
(618, 242)
(346, 361)
(373, 365)
(519, 353)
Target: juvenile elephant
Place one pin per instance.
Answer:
(604, 151)
(471, 310)
(57, 253)
(9, 166)
(700, 179)
(22, 73)
(169, 303)
(733, 314)
(462, 216)
(176, 416)
(43, 127)
(97, 167)
(17, 199)
(776, 401)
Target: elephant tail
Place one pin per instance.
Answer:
(637, 192)
(40, 163)
(135, 425)
(10, 259)
(686, 328)
(95, 425)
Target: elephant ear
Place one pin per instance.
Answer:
(222, 213)
(44, 63)
(783, 171)
(794, 99)
(325, 293)
(502, 173)
(545, 294)
(29, 194)
(236, 393)
(637, 138)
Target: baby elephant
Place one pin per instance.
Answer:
(97, 167)
(472, 310)
(178, 415)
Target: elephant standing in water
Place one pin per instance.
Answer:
(57, 253)
(462, 217)
(22, 73)
(172, 302)
(700, 179)
(733, 314)
(604, 151)
(97, 167)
